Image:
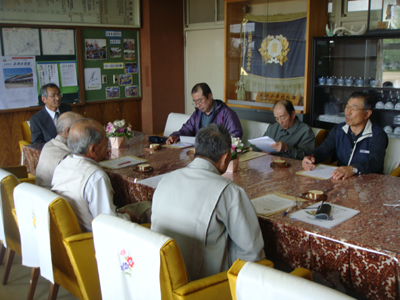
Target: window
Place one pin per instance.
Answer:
(205, 11)
(362, 5)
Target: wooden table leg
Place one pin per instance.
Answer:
(35, 272)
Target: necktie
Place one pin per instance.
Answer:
(57, 114)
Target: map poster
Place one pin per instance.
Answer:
(47, 73)
(21, 41)
(18, 82)
(58, 41)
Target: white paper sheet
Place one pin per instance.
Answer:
(152, 181)
(264, 143)
(92, 79)
(122, 162)
(187, 139)
(47, 73)
(320, 172)
(339, 214)
(179, 145)
(58, 41)
(68, 74)
(21, 41)
(270, 204)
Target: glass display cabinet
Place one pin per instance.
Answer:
(268, 51)
(383, 16)
(343, 65)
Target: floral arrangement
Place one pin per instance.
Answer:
(119, 128)
(237, 148)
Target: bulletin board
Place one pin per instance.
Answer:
(111, 64)
(54, 49)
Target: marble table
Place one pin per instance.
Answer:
(361, 253)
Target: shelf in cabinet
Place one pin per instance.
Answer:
(335, 86)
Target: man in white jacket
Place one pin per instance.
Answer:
(209, 216)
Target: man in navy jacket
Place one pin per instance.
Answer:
(208, 111)
(359, 144)
(43, 123)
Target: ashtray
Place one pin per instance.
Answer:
(144, 168)
(280, 163)
(314, 195)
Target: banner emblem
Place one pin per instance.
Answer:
(274, 49)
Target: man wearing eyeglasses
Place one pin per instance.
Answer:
(295, 139)
(208, 110)
(359, 144)
(43, 123)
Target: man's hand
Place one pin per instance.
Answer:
(172, 140)
(279, 146)
(307, 163)
(342, 173)
(132, 215)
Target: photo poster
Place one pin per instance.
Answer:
(18, 82)
(62, 73)
(121, 67)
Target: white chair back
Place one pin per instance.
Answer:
(128, 258)
(252, 130)
(32, 208)
(392, 157)
(258, 282)
(175, 122)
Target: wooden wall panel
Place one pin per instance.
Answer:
(11, 133)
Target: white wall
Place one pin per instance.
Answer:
(204, 57)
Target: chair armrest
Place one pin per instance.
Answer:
(28, 180)
(212, 287)
(301, 272)
(147, 225)
(80, 249)
(23, 143)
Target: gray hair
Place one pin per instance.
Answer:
(212, 142)
(65, 121)
(88, 135)
(43, 89)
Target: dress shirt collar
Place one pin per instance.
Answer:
(61, 139)
(52, 113)
(212, 111)
(201, 163)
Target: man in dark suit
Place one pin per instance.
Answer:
(43, 123)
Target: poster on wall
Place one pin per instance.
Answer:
(18, 82)
(58, 41)
(112, 92)
(125, 79)
(131, 91)
(131, 68)
(68, 73)
(96, 49)
(47, 73)
(92, 79)
(21, 41)
(129, 49)
(115, 52)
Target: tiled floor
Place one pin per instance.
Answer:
(18, 284)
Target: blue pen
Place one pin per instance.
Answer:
(286, 211)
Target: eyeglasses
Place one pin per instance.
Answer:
(55, 95)
(352, 108)
(198, 101)
(281, 118)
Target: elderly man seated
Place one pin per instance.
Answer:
(80, 179)
(295, 139)
(208, 110)
(209, 216)
(55, 150)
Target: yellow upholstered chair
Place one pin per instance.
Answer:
(9, 227)
(74, 261)
(26, 135)
(262, 282)
(174, 283)
(320, 135)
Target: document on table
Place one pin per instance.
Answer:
(122, 162)
(179, 145)
(320, 172)
(264, 143)
(271, 203)
(250, 155)
(187, 139)
(338, 214)
(152, 181)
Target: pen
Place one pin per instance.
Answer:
(311, 156)
(286, 211)
(124, 163)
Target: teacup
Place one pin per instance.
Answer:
(372, 82)
(397, 106)
(388, 129)
(389, 105)
(349, 81)
(360, 82)
(380, 104)
(322, 80)
(330, 81)
(340, 81)
(397, 130)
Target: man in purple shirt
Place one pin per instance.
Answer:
(208, 110)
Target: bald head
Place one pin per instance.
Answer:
(65, 121)
(87, 137)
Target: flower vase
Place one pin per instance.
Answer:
(233, 166)
(117, 142)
